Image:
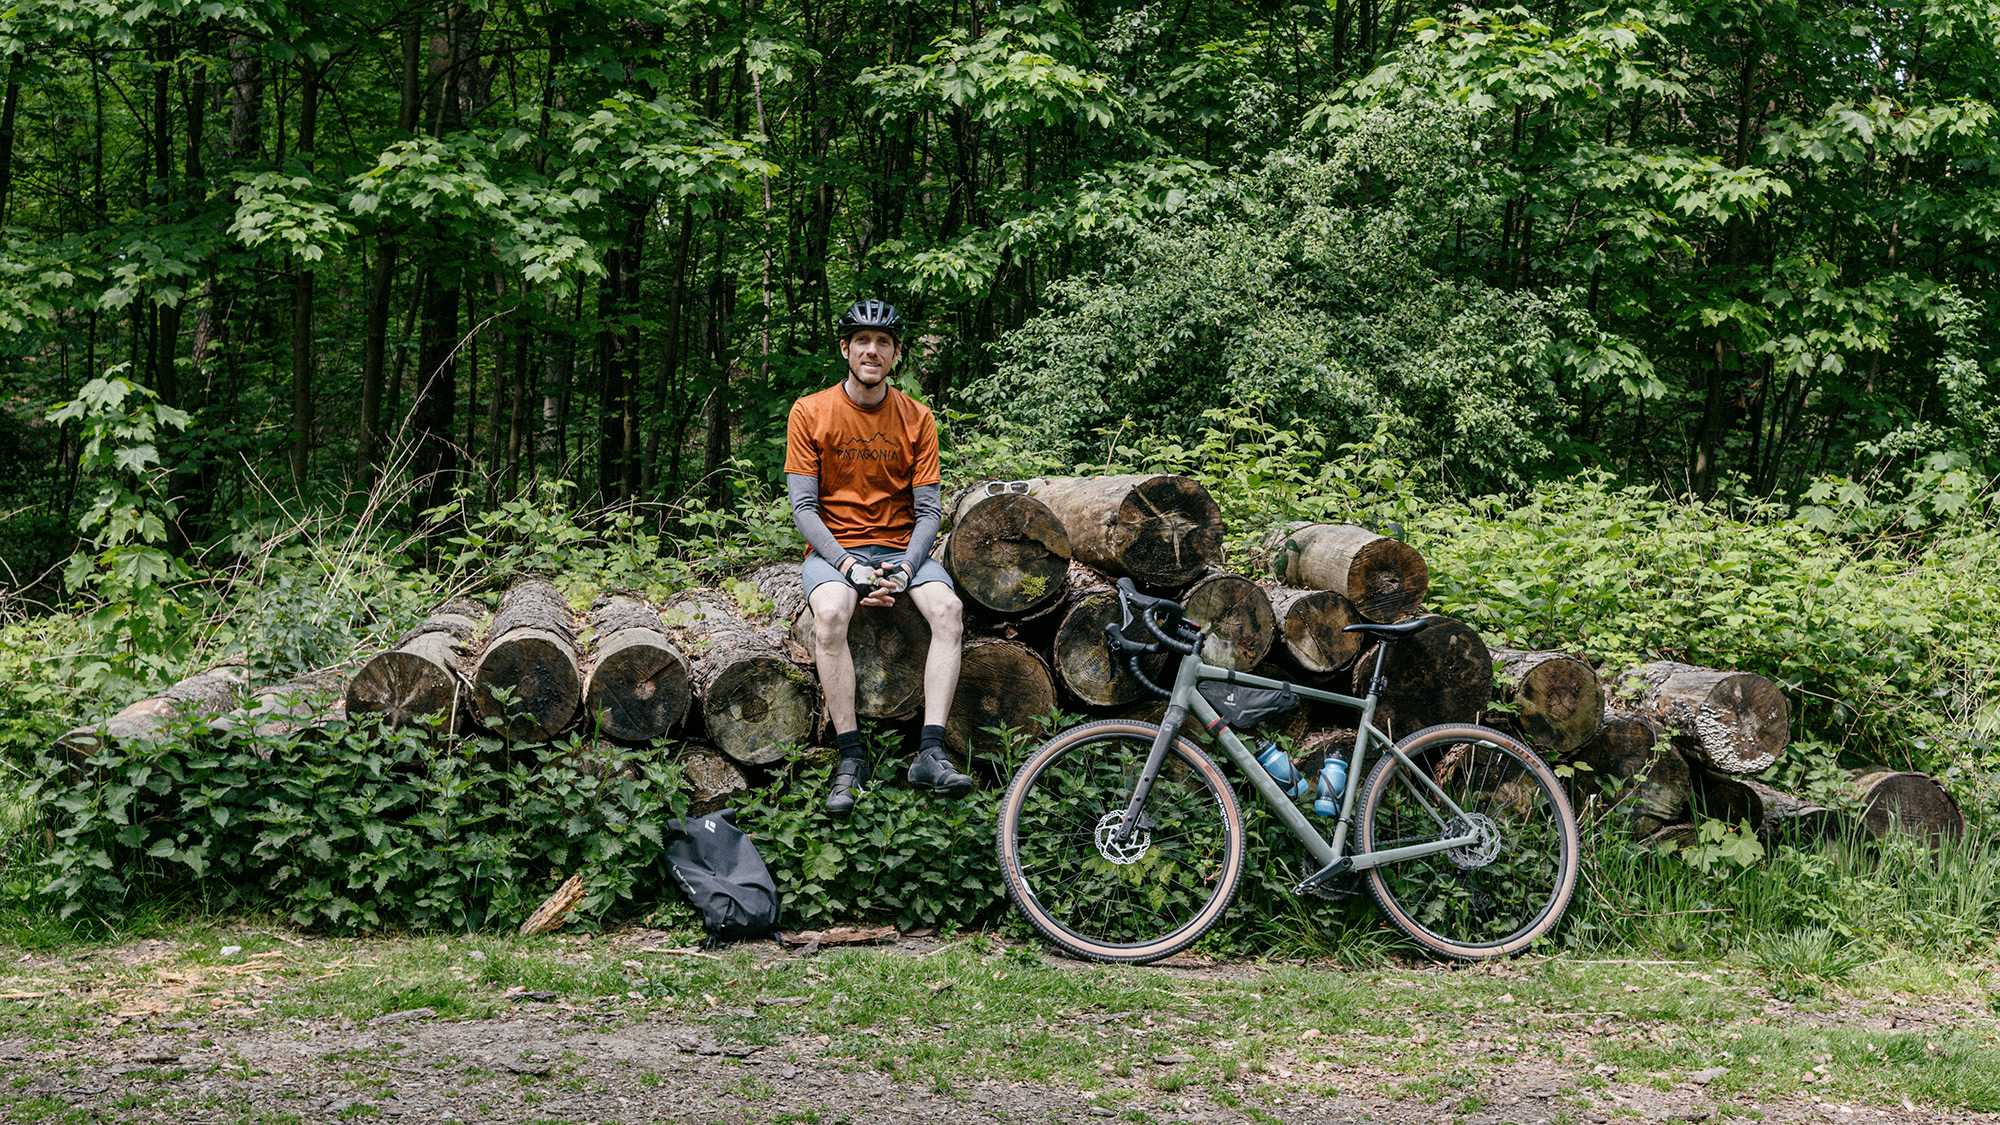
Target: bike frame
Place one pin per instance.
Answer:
(1332, 853)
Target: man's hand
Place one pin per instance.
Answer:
(894, 578)
(860, 575)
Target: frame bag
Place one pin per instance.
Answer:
(1241, 705)
(722, 876)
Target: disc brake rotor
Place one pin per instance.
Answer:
(1135, 846)
(1479, 852)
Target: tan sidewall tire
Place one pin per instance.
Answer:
(1009, 854)
(1565, 884)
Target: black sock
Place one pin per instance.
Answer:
(851, 745)
(933, 739)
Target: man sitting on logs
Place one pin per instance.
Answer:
(861, 468)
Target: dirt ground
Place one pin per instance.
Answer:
(545, 1060)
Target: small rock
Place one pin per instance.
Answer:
(741, 1013)
(788, 1072)
(782, 1001)
(534, 997)
(404, 1016)
(1704, 1077)
(531, 1069)
(1172, 1060)
(231, 950)
(154, 1060)
(1101, 1111)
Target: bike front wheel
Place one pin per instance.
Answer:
(1496, 895)
(1147, 897)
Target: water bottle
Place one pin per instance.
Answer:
(1279, 765)
(1332, 782)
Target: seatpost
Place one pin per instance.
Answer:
(1380, 683)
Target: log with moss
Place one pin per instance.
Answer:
(215, 691)
(638, 688)
(1236, 619)
(1554, 700)
(1161, 531)
(427, 672)
(1085, 664)
(1007, 552)
(752, 699)
(307, 700)
(1384, 578)
(1000, 684)
(1310, 627)
(1735, 722)
(526, 684)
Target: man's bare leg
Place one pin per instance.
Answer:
(833, 607)
(932, 770)
(943, 611)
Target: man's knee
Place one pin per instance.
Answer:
(943, 611)
(833, 608)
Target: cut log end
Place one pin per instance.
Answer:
(1557, 701)
(1000, 684)
(713, 781)
(1007, 553)
(1895, 801)
(1236, 616)
(756, 708)
(639, 691)
(537, 669)
(404, 687)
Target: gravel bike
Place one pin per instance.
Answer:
(1123, 841)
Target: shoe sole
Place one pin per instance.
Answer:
(952, 791)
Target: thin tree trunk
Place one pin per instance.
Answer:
(303, 280)
(436, 460)
(9, 106)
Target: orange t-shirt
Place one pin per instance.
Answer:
(867, 462)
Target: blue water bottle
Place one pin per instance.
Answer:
(1332, 782)
(1279, 765)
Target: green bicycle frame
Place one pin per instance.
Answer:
(1331, 854)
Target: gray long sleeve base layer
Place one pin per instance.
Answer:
(803, 492)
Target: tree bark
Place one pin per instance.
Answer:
(1791, 818)
(1237, 617)
(1161, 531)
(1894, 801)
(1383, 577)
(1557, 700)
(303, 281)
(530, 653)
(207, 693)
(436, 462)
(1736, 722)
(713, 780)
(10, 105)
(1007, 553)
(1443, 674)
(638, 685)
(1310, 624)
(307, 700)
(426, 672)
(1000, 684)
(754, 700)
(889, 644)
(1086, 665)
(1719, 796)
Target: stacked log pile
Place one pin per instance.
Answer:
(732, 673)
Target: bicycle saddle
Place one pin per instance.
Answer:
(1390, 632)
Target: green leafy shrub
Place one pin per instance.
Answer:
(358, 826)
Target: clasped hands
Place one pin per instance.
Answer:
(879, 585)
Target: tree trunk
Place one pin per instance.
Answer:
(1161, 531)
(10, 104)
(425, 673)
(1007, 553)
(1631, 762)
(1383, 577)
(1557, 700)
(889, 644)
(753, 699)
(307, 700)
(1000, 684)
(303, 280)
(1443, 674)
(1086, 665)
(530, 654)
(374, 356)
(1310, 626)
(638, 686)
(436, 461)
(1236, 615)
(714, 782)
(1894, 801)
(1736, 722)
(212, 692)
(1791, 818)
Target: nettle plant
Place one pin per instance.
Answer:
(140, 622)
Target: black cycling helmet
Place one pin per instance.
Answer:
(871, 313)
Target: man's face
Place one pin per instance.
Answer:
(870, 354)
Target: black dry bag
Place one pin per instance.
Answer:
(722, 875)
(1241, 705)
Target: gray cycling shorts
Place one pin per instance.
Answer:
(817, 571)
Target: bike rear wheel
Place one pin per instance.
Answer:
(1148, 898)
(1495, 896)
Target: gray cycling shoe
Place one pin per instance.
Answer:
(932, 773)
(849, 775)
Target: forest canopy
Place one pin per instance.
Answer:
(266, 262)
